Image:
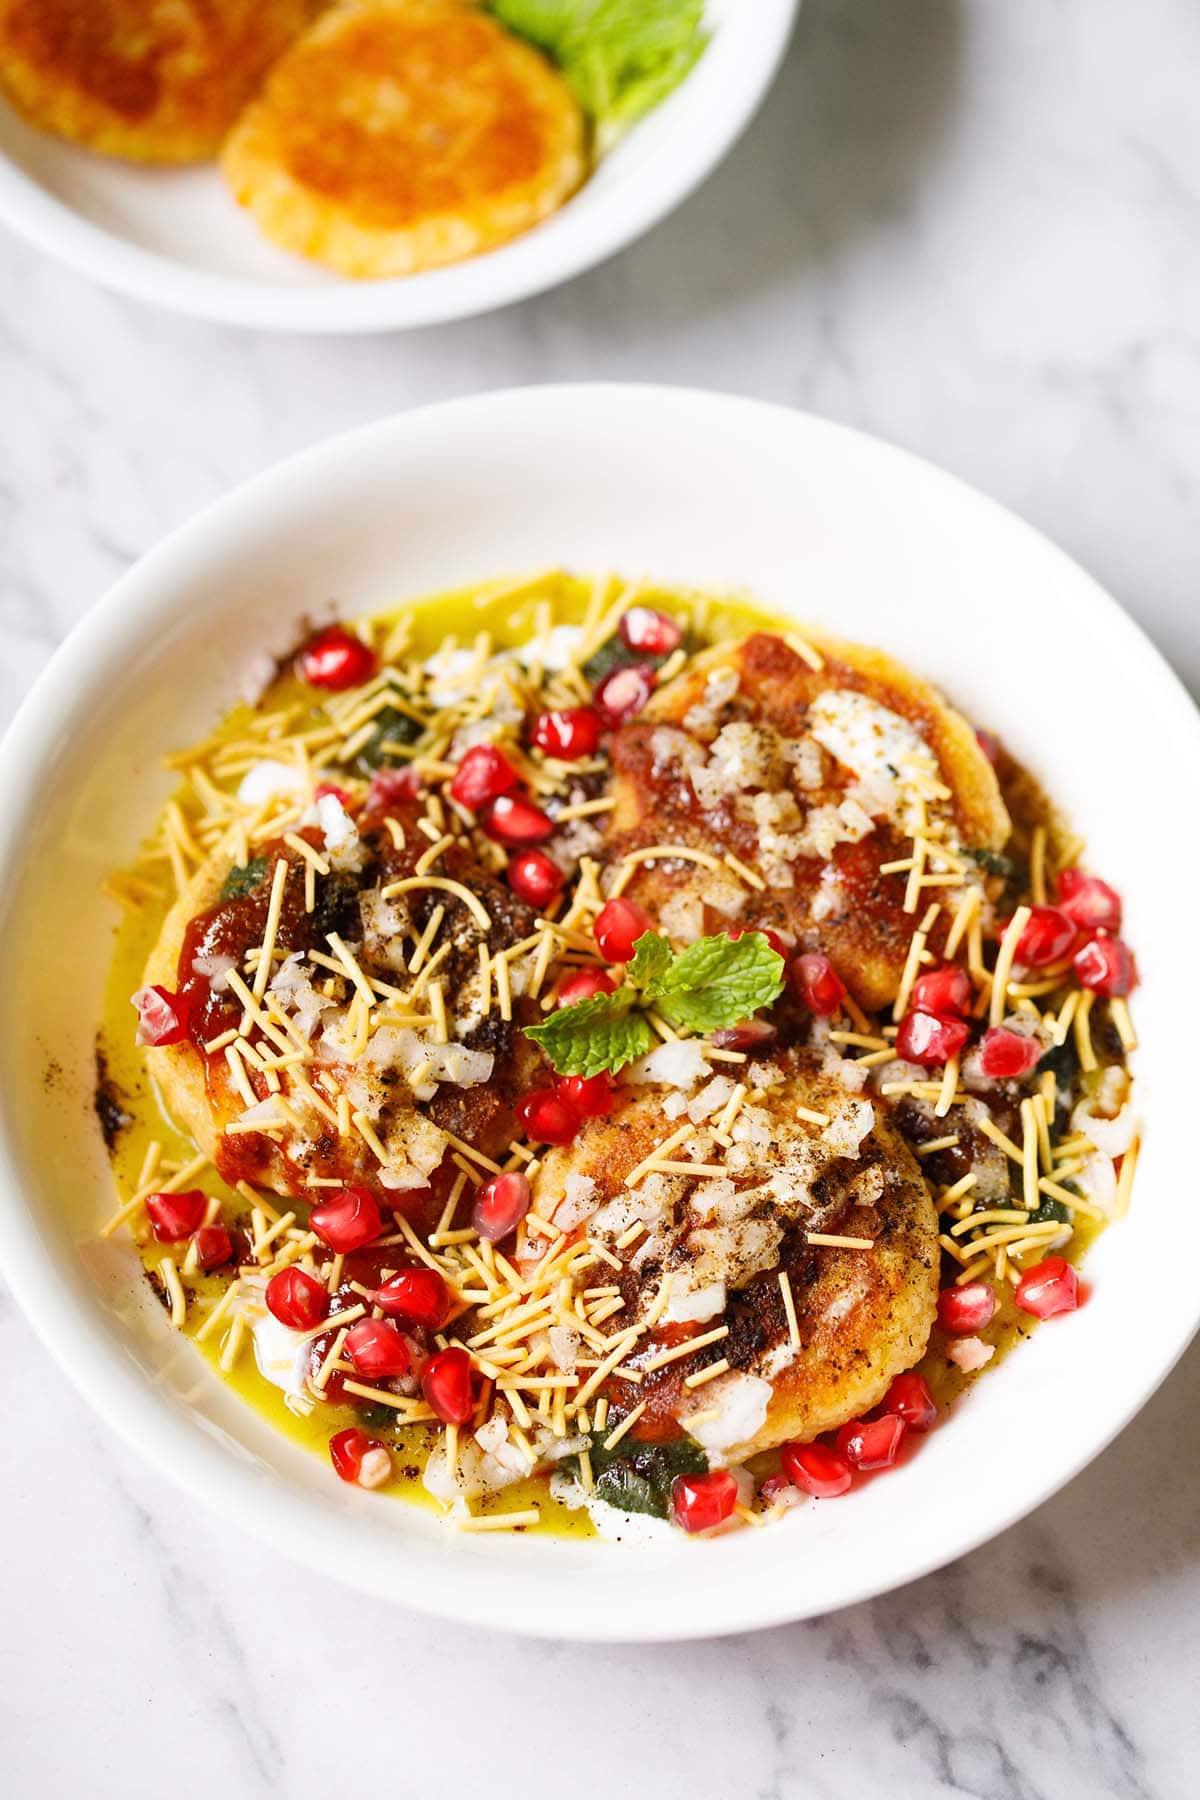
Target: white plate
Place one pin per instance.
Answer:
(821, 523)
(178, 237)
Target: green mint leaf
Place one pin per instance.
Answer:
(242, 879)
(597, 1034)
(719, 981)
(652, 957)
(714, 983)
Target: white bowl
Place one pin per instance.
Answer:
(822, 523)
(178, 237)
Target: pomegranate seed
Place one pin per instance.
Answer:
(446, 1385)
(390, 787)
(419, 1296)
(733, 932)
(482, 775)
(966, 1309)
(534, 878)
(214, 1246)
(1092, 904)
(751, 1034)
(162, 1016)
(1050, 1287)
(585, 986)
(648, 632)
(588, 1096)
(989, 743)
(376, 1470)
(924, 1038)
(347, 1220)
(619, 925)
(347, 1449)
(910, 1399)
(511, 820)
(942, 991)
(817, 983)
(623, 693)
(703, 1501)
(500, 1205)
(377, 1349)
(774, 1485)
(1106, 966)
(970, 1354)
(329, 790)
(297, 1299)
(176, 1216)
(336, 659)
(1007, 1055)
(548, 1117)
(817, 1469)
(871, 1443)
(568, 734)
(1048, 935)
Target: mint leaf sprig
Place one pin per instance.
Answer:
(605, 1032)
(713, 984)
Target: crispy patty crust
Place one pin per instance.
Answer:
(400, 135)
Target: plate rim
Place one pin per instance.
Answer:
(171, 1439)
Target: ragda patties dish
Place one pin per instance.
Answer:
(378, 137)
(607, 1061)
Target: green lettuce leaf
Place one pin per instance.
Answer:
(620, 58)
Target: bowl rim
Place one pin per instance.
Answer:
(530, 264)
(119, 1391)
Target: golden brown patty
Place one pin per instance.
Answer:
(157, 81)
(834, 898)
(863, 1315)
(202, 1091)
(399, 135)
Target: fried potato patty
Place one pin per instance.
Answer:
(400, 135)
(204, 1093)
(156, 81)
(179, 1071)
(814, 778)
(863, 1315)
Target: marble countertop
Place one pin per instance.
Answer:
(975, 229)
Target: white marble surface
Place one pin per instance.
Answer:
(973, 228)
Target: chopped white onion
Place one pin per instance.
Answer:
(740, 1403)
(680, 1064)
(215, 970)
(970, 1353)
(268, 780)
(696, 1305)
(579, 1202)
